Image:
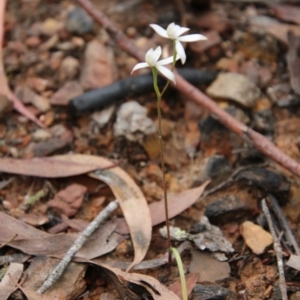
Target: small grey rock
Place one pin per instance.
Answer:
(235, 87)
(79, 21)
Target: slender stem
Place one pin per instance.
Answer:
(181, 273)
(162, 160)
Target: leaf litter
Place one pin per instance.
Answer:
(85, 136)
(7, 287)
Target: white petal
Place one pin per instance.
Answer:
(152, 56)
(172, 31)
(149, 57)
(166, 72)
(182, 30)
(157, 53)
(180, 51)
(192, 38)
(159, 30)
(165, 61)
(139, 66)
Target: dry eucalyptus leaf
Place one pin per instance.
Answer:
(69, 286)
(102, 241)
(7, 287)
(134, 206)
(54, 167)
(177, 204)
(157, 290)
(132, 200)
(68, 200)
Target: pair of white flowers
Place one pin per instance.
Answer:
(174, 33)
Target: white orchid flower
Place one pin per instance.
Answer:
(152, 61)
(174, 33)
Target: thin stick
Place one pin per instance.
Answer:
(259, 141)
(273, 204)
(278, 251)
(59, 269)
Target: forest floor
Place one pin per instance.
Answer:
(65, 154)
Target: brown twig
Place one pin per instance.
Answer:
(4, 87)
(278, 251)
(259, 141)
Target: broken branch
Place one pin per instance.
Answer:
(57, 272)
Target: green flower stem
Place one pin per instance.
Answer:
(161, 146)
(162, 160)
(173, 67)
(181, 273)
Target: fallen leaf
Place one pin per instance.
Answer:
(120, 286)
(190, 279)
(7, 287)
(279, 31)
(293, 60)
(36, 242)
(34, 219)
(294, 262)
(68, 200)
(16, 227)
(287, 13)
(76, 224)
(152, 285)
(31, 295)
(55, 166)
(177, 204)
(69, 286)
(209, 268)
(134, 206)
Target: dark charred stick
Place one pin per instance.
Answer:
(132, 87)
(273, 204)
